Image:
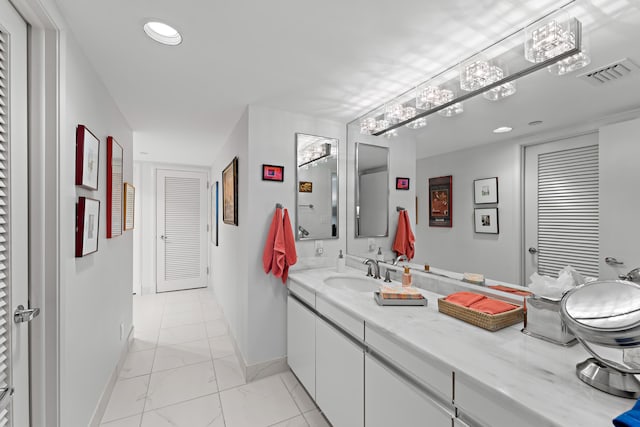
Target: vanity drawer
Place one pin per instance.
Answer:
(483, 406)
(303, 293)
(344, 320)
(432, 373)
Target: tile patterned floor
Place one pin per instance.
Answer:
(181, 371)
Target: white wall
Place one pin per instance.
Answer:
(145, 239)
(459, 248)
(95, 291)
(619, 201)
(402, 163)
(254, 303)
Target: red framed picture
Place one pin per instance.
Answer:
(87, 226)
(87, 158)
(402, 183)
(272, 173)
(115, 160)
(440, 197)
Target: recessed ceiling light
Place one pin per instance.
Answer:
(535, 123)
(162, 33)
(502, 129)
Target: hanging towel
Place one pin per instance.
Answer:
(267, 254)
(630, 418)
(404, 243)
(291, 257)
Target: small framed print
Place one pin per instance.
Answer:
(129, 205)
(230, 193)
(440, 197)
(87, 158)
(402, 183)
(305, 187)
(486, 220)
(272, 173)
(485, 191)
(87, 226)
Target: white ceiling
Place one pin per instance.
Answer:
(333, 59)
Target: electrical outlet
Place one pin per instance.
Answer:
(372, 244)
(121, 331)
(319, 247)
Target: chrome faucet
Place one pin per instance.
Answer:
(399, 258)
(373, 265)
(632, 276)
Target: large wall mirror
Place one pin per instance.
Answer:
(316, 187)
(372, 191)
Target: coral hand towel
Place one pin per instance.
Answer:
(291, 257)
(492, 306)
(464, 299)
(404, 243)
(278, 262)
(267, 254)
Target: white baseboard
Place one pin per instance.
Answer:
(258, 370)
(106, 393)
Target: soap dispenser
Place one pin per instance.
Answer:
(406, 278)
(341, 262)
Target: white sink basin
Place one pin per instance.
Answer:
(354, 283)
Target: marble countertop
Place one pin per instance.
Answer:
(538, 376)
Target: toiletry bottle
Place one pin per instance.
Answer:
(379, 256)
(341, 262)
(406, 278)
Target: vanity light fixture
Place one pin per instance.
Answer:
(162, 33)
(503, 129)
(314, 153)
(553, 41)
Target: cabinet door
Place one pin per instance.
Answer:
(301, 344)
(392, 401)
(339, 377)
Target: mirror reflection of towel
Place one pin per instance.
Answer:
(404, 243)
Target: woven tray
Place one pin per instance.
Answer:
(490, 322)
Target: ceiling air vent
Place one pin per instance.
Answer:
(609, 73)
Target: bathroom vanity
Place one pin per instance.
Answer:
(373, 366)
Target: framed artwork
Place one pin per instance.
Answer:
(217, 208)
(485, 191)
(87, 225)
(87, 158)
(230, 193)
(129, 205)
(402, 183)
(486, 220)
(440, 197)
(272, 173)
(305, 187)
(115, 159)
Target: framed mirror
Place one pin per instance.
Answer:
(115, 158)
(316, 187)
(372, 190)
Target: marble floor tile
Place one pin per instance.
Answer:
(261, 403)
(215, 328)
(221, 346)
(137, 363)
(125, 422)
(182, 307)
(201, 412)
(299, 394)
(182, 334)
(147, 323)
(316, 419)
(144, 340)
(127, 398)
(228, 372)
(212, 312)
(177, 355)
(298, 421)
(180, 384)
(173, 320)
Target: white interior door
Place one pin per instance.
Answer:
(14, 278)
(562, 206)
(181, 230)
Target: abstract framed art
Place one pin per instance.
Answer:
(440, 197)
(87, 158)
(230, 193)
(87, 226)
(485, 191)
(272, 173)
(486, 220)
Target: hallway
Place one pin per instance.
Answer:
(181, 370)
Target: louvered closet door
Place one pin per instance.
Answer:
(181, 230)
(562, 206)
(14, 280)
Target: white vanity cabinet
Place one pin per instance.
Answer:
(391, 400)
(339, 376)
(301, 343)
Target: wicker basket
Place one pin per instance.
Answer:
(490, 322)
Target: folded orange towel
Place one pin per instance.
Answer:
(511, 290)
(492, 306)
(395, 292)
(464, 299)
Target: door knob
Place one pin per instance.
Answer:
(25, 314)
(533, 250)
